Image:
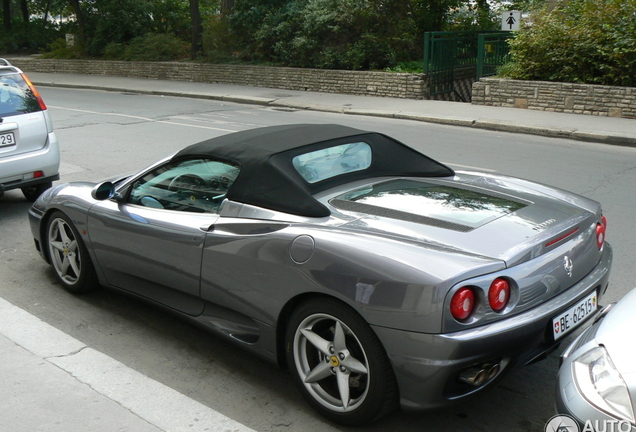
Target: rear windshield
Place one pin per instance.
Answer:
(15, 96)
(418, 200)
(333, 161)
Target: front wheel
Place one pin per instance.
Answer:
(69, 256)
(339, 364)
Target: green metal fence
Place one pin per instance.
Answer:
(445, 53)
(492, 51)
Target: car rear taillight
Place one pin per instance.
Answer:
(462, 303)
(601, 228)
(35, 92)
(499, 294)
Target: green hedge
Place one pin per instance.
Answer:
(582, 41)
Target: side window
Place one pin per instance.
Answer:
(196, 185)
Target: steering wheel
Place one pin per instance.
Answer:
(185, 181)
(221, 183)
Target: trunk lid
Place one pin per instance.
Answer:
(499, 217)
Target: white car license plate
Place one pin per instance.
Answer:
(7, 139)
(573, 317)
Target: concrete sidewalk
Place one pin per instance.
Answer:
(607, 130)
(52, 382)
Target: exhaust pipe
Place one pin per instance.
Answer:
(493, 371)
(479, 375)
(474, 376)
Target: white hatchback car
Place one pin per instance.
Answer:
(29, 150)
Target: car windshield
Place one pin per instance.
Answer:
(15, 96)
(333, 161)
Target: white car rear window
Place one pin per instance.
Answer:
(15, 96)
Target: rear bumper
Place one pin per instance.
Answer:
(17, 171)
(427, 366)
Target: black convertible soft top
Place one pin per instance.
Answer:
(268, 179)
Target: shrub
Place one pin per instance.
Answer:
(59, 49)
(153, 47)
(583, 41)
(219, 44)
(414, 66)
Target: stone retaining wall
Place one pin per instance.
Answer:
(384, 84)
(558, 97)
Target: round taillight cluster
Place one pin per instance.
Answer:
(462, 303)
(464, 300)
(499, 294)
(601, 228)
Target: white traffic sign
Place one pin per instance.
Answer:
(510, 20)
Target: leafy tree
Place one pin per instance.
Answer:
(350, 34)
(172, 17)
(583, 41)
(117, 21)
(25, 26)
(100, 23)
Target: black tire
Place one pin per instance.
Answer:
(328, 343)
(31, 193)
(69, 256)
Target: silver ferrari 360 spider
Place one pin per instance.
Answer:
(378, 276)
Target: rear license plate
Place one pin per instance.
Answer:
(574, 317)
(7, 139)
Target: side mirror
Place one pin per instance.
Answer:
(103, 191)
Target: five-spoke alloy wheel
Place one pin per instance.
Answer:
(69, 256)
(339, 363)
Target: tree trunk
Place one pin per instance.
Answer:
(6, 15)
(46, 12)
(227, 6)
(80, 23)
(197, 29)
(24, 7)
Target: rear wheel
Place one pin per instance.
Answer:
(69, 256)
(339, 364)
(32, 193)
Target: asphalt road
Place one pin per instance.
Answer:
(103, 134)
